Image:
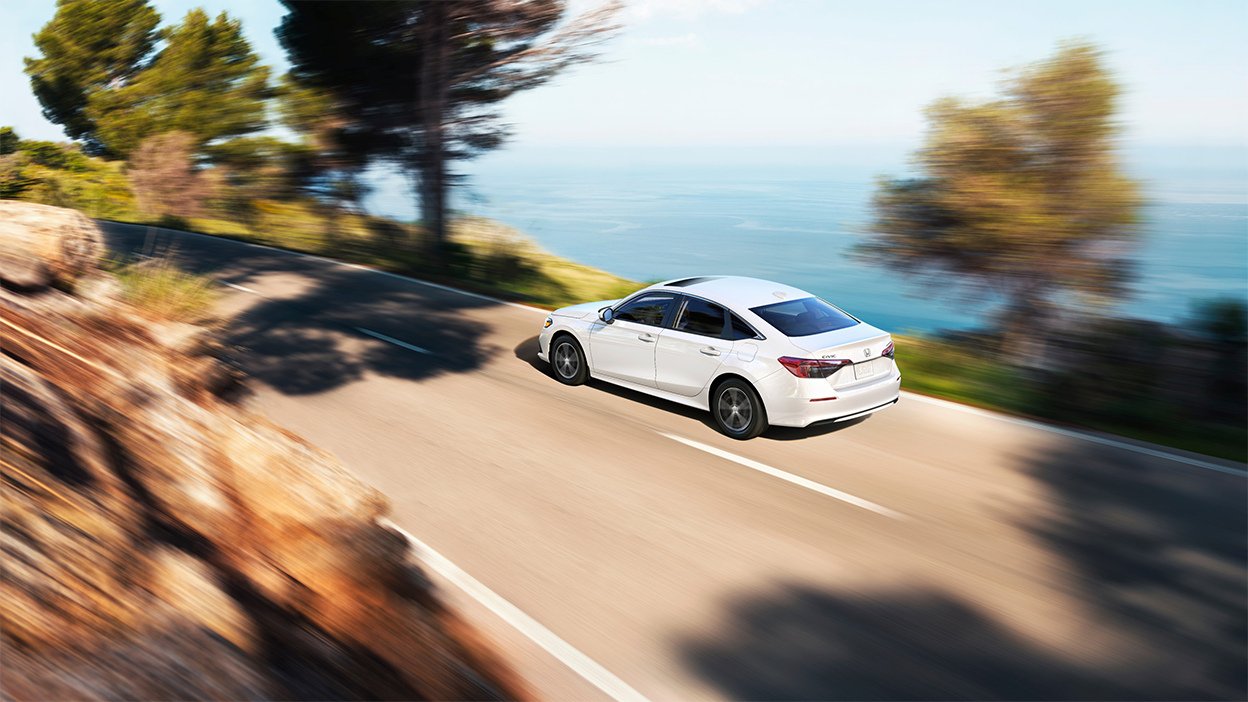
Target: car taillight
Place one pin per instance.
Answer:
(888, 350)
(813, 368)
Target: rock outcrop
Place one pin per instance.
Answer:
(160, 541)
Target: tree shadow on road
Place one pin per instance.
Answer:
(307, 337)
(1155, 552)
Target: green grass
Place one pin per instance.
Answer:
(946, 370)
(482, 256)
(952, 371)
(159, 289)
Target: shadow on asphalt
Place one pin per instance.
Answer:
(308, 342)
(1155, 552)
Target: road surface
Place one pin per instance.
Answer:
(661, 560)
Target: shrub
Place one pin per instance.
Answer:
(159, 289)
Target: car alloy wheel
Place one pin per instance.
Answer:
(735, 410)
(568, 362)
(738, 410)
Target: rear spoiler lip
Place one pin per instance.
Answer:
(869, 335)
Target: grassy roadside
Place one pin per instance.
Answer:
(949, 371)
(484, 256)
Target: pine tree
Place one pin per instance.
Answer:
(419, 82)
(99, 79)
(206, 82)
(90, 47)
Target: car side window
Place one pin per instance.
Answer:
(647, 309)
(741, 330)
(701, 317)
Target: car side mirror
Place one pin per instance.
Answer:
(607, 315)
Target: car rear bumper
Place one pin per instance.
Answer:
(795, 408)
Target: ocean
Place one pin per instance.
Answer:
(796, 225)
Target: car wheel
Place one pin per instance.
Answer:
(738, 410)
(568, 361)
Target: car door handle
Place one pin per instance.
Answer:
(646, 337)
(710, 351)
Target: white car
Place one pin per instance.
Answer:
(750, 351)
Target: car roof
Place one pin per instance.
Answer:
(736, 292)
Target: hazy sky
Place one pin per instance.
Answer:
(756, 73)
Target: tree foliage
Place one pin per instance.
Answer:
(206, 82)
(99, 79)
(90, 47)
(60, 174)
(8, 140)
(1021, 199)
(421, 82)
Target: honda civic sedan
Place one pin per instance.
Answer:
(750, 351)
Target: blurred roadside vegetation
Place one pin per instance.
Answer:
(159, 289)
(1180, 385)
(266, 207)
(1020, 206)
(169, 128)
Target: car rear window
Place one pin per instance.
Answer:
(804, 317)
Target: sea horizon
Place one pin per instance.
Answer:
(644, 219)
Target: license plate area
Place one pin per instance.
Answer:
(865, 369)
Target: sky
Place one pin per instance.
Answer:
(802, 79)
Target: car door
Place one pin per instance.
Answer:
(692, 348)
(624, 348)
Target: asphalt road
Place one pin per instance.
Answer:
(1004, 561)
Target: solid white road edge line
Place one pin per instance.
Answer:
(581, 664)
(795, 479)
(1077, 434)
(349, 265)
(396, 342)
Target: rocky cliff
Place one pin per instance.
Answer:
(162, 541)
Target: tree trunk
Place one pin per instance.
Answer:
(433, 89)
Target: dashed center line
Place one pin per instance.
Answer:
(394, 341)
(239, 287)
(795, 479)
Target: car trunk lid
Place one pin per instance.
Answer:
(858, 343)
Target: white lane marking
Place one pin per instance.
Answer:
(580, 663)
(795, 479)
(396, 342)
(239, 287)
(1077, 435)
(349, 265)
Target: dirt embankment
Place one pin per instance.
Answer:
(160, 541)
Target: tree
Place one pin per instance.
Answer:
(89, 47)
(206, 83)
(8, 140)
(420, 82)
(99, 79)
(1021, 199)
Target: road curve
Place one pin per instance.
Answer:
(1005, 561)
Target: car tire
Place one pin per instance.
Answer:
(738, 410)
(567, 360)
